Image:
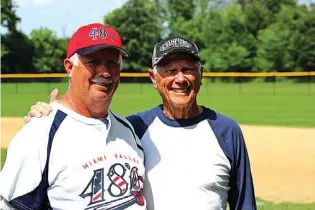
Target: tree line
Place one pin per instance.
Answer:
(233, 36)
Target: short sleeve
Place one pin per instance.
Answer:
(24, 164)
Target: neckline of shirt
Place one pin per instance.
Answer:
(182, 122)
(81, 118)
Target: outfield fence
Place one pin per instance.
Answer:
(205, 74)
(239, 80)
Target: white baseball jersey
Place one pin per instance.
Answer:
(67, 161)
(200, 163)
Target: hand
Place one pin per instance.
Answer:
(41, 108)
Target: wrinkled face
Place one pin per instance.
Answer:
(178, 79)
(97, 75)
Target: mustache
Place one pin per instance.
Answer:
(102, 79)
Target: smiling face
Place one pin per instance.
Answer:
(96, 76)
(177, 78)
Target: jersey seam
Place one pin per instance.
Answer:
(130, 128)
(20, 205)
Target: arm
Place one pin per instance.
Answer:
(41, 108)
(23, 168)
(241, 194)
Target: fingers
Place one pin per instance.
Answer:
(27, 119)
(40, 109)
(54, 95)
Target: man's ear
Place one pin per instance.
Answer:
(152, 76)
(68, 66)
(201, 73)
(201, 70)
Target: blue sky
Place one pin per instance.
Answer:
(65, 16)
(62, 16)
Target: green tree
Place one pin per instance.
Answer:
(271, 55)
(9, 19)
(191, 23)
(176, 12)
(304, 41)
(227, 41)
(272, 7)
(256, 18)
(215, 37)
(19, 53)
(278, 44)
(49, 51)
(139, 24)
(181, 9)
(16, 48)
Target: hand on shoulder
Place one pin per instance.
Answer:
(42, 108)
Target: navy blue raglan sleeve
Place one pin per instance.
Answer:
(138, 124)
(241, 195)
(142, 120)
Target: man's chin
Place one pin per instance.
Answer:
(99, 99)
(102, 96)
(181, 100)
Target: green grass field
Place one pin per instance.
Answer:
(284, 104)
(3, 155)
(262, 205)
(252, 103)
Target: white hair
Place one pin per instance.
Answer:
(120, 61)
(154, 69)
(74, 59)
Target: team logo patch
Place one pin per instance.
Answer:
(174, 43)
(123, 190)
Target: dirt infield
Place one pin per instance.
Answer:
(282, 160)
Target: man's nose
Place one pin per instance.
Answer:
(180, 77)
(102, 68)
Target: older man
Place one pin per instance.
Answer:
(82, 156)
(196, 158)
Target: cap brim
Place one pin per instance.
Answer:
(92, 49)
(183, 50)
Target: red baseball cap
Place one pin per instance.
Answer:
(93, 37)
